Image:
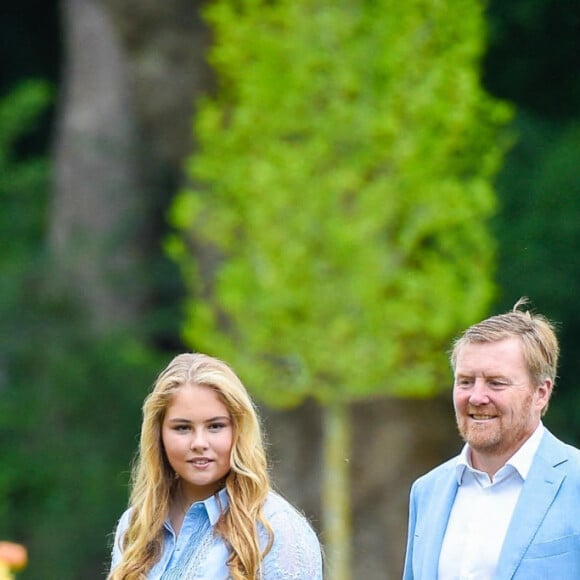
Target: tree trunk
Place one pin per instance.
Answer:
(336, 495)
(132, 72)
(97, 214)
(393, 442)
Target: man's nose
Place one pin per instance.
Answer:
(479, 394)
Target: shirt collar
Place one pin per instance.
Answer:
(521, 460)
(215, 505)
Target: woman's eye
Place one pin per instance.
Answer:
(181, 428)
(217, 426)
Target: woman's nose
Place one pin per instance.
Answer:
(199, 440)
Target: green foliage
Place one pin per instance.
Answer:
(69, 424)
(539, 232)
(533, 57)
(23, 188)
(69, 403)
(343, 183)
(22, 183)
(538, 224)
(22, 191)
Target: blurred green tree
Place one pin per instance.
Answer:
(22, 185)
(532, 59)
(69, 403)
(343, 186)
(539, 230)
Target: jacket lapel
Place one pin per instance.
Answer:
(538, 493)
(440, 509)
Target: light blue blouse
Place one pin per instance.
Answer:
(197, 554)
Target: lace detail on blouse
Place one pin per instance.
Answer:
(296, 553)
(191, 562)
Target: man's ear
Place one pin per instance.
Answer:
(543, 393)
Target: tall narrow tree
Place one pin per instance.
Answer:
(343, 180)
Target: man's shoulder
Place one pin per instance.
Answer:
(572, 452)
(557, 459)
(441, 472)
(554, 449)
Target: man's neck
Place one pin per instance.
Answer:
(492, 461)
(487, 463)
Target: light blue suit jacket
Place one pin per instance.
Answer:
(543, 538)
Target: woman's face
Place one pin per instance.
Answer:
(197, 435)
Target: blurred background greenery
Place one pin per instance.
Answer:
(86, 326)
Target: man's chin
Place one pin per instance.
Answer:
(479, 441)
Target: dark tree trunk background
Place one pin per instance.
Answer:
(131, 74)
(99, 211)
(394, 441)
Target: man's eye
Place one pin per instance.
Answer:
(496, 384)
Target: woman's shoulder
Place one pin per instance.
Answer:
(120, 529)
(281, 513)
(296, 551)
(125, 518)
(276, 504)
(123, 524)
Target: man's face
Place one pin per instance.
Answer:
(496, 405)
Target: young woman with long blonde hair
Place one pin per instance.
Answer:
(201, 504)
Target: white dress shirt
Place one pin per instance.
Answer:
(481, 514)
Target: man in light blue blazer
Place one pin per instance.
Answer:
(508, 507)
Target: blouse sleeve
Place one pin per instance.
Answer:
(296, 552)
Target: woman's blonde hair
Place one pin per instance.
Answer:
(154, 481)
